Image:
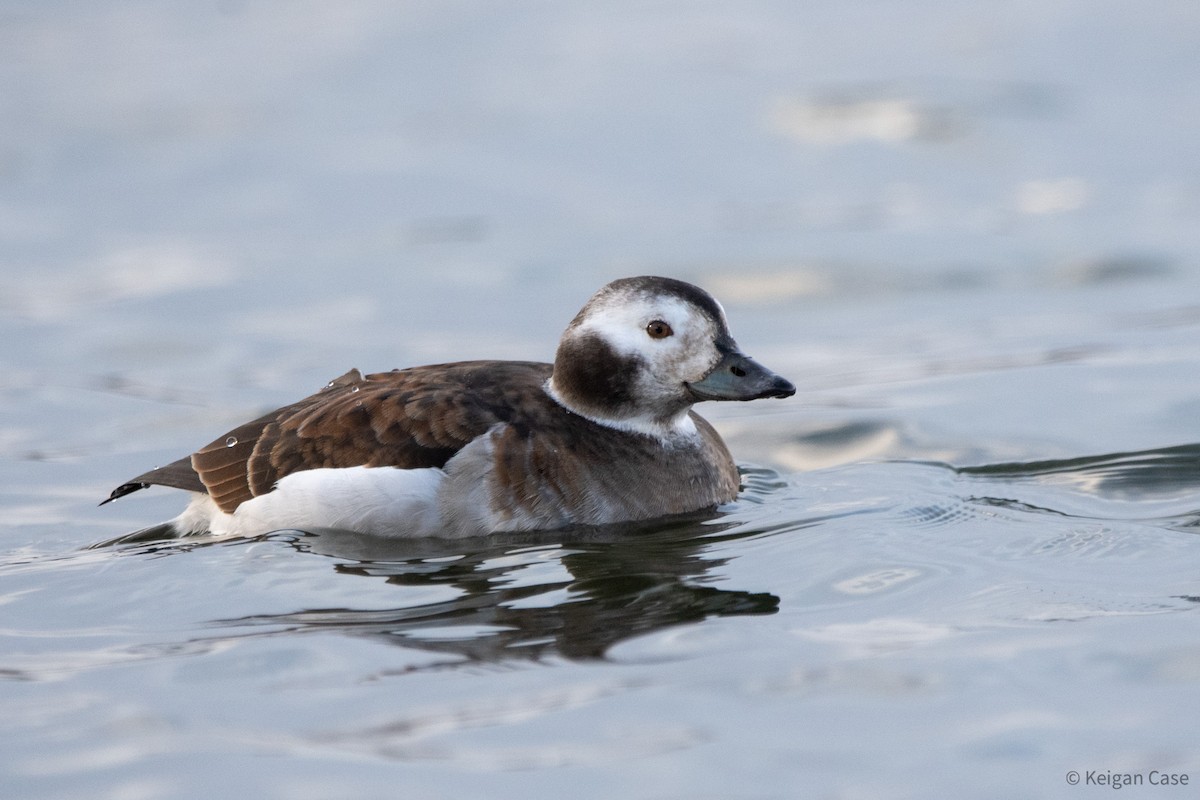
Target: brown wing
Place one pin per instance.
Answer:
(178, 474)
(410, 418)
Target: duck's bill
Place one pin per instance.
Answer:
(737, 376)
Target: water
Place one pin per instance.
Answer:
(965, 562)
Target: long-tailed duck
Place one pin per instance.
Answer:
(605, 434)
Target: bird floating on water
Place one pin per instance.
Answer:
(605, 434)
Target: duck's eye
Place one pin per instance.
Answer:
(659, 329)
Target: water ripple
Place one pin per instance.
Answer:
(1136, 475)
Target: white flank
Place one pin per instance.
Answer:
(382, 501)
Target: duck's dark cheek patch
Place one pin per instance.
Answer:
(594, 374)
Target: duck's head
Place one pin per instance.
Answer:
(643, 350)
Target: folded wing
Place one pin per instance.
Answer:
(407, 419)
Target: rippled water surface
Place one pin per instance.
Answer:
(966, 562)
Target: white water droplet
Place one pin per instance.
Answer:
(231, 441)
(353, 389)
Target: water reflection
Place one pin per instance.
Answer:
(520, 597)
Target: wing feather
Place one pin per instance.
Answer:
(410, 418)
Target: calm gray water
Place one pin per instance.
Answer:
(966, 563)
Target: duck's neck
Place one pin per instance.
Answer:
(672, 429)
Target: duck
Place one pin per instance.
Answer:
(605, 434)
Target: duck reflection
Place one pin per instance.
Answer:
(574, 595)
